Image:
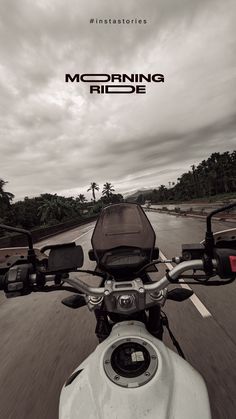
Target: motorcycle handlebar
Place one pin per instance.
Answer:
(172, 275)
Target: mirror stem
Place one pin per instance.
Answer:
(209, 238)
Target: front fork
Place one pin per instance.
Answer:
(152, 319)
(103, 327)
(154, 323)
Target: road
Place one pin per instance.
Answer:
(42, 341)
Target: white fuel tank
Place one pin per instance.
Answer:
(168, 389)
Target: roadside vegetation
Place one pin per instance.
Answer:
(211, 180)
(51, 209)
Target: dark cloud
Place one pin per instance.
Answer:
(57, 137)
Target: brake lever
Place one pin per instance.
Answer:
(51, 288)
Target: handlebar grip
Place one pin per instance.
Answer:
(16, 281)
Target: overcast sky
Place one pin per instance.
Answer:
(57, 138)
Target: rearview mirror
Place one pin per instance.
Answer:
(65, 258)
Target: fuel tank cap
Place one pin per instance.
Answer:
(130, 362)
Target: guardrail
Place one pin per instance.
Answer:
(18, 240)
(227, 216)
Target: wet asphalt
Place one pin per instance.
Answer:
(42, 341)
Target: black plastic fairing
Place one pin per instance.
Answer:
(123, 238)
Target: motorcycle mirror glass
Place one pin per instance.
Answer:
(179, 294)
(65, 258)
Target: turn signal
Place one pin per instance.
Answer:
(232, 260)
(226, 262)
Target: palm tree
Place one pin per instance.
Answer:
(163, 192)
(5, 200)
(5, 197)
(81, 198)
(195, 180)
(54, 208)
(93, 187)
(107, 189)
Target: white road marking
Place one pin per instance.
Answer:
(83, 234)
(195, 300)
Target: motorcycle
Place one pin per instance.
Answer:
(131, 373)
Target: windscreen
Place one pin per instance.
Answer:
(123, 225)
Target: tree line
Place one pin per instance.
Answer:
(50, 209)
(216, 175)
